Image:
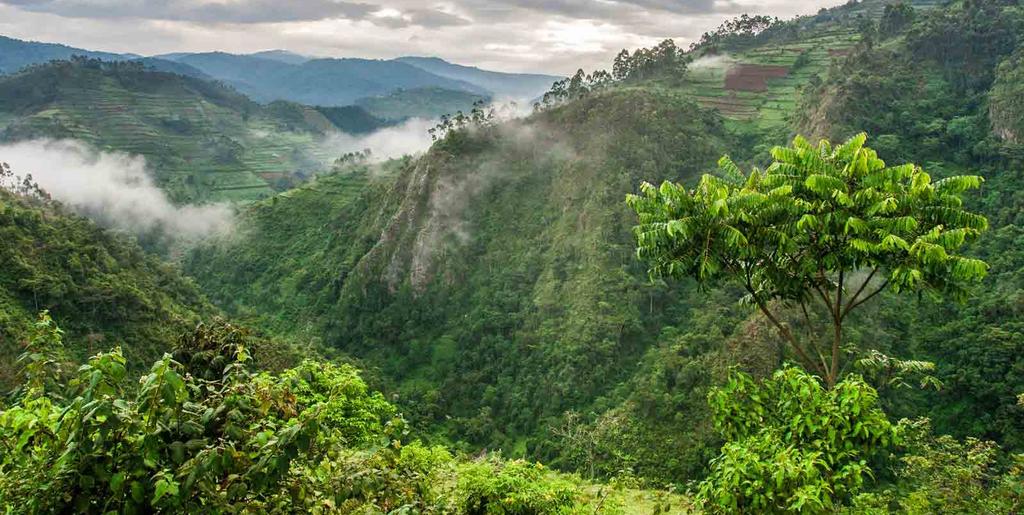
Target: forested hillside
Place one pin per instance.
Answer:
(203, 141)
(501, 261)
(224, 419)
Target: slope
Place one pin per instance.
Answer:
(757, 78)
(492, 285)
(203, 141)
(946, 93)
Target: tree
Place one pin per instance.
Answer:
(895, 18)
(822, 228)
(621, 66)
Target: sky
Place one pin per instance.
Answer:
(545, 36)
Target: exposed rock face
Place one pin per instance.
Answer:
(1006, 100)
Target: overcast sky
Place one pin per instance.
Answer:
(553, 36)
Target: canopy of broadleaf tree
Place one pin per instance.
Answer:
(799, 232)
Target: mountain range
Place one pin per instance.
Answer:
(280, 75)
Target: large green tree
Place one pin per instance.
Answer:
(822, 228)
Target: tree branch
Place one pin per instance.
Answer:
(853, 300)
(784, 331)
(885, 286)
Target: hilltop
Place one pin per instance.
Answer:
(16, 54)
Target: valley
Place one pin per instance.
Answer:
(776, 271)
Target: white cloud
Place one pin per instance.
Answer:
(114, 189)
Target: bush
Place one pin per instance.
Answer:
(492, 487)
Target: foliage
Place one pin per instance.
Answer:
(662, 62)
(492, 487)
(917, 107)
(799, 231)
(937, 473)
(213, 435)
(895, 18)
(738, 31)
(459, 280)
(181, 439)
(481, 116)
(968, 39)
(791, 445)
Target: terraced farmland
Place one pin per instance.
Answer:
(762, 84)
(203, 142)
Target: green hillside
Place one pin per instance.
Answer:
(758, 79)
(494, 287)
(429, 103)
(498, 263)
(203, 141)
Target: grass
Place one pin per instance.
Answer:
(634, 501)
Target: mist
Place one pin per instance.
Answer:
(114, 189)
(712, 62)
(408, 138)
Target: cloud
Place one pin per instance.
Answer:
(410, 137)
(114, 189)
(238, 11)
(554, 36)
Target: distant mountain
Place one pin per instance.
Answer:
(283, 56)
(282, 75)
(16, 54)
(420, 103)
(501, 85)
(167, 66)
(327, 82)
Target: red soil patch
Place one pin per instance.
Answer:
(271, 176)
(839, 52)
(752, 77)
